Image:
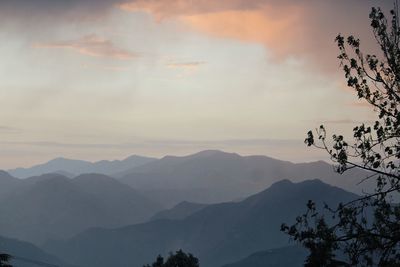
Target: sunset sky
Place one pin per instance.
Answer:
(107, 79)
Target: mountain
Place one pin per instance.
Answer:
(180, 211)
(7, 183)
(52, 206)
(217, 234)
(70, 167)
(214, 176)
(25, 254)
(292, 256)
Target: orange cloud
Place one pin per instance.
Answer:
(162, 9)
(278, 26)
(92, 45)
(286, 27)
(258, 26)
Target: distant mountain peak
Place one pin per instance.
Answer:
(74, 167)
(283, 189)
(282, 184)
(134, 156)
(94, 177)
(202, 154)
(58, 158)
(286, 183)
(63, 159)
(211, 152)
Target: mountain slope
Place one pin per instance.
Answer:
(24, 254)
(180, 211)
(215, 176)
(7, 183)
(75, 167)
(217, 234)
(53, 206)
(292, 256)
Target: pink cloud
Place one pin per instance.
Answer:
(286, 27)
(91, 45)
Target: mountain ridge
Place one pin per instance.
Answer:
(53, 206)
(215, 176)
(218, 234)
(76, 167)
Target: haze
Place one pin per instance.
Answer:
(106, 79)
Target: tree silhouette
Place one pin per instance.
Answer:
(179, 259)
(366, 231)
(4, 259)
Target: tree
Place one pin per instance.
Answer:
(4, 259)
(179, 259)
(366, 231)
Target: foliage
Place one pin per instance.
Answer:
(179, 259)
(4, 259)
(366, 231)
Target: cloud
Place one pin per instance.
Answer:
(170, 8)
(164, 142)
(252, 26)
(91, 45)
(185, 65)
(286, 27)
(56, 9)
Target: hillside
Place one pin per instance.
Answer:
(7, 183)
(25, 254)
(71, 167)
(292, 256)
(180, 211)
(215, 176)
(217, 234)
(53, 206)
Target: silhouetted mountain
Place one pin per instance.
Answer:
(217, 234)
(25, 254)
(215, 176)
(292, 256)
(53, 206)
(7, 183)
(180, 211)
(65, 173)
(72, 167)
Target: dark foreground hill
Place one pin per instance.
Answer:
(291, 256)
(217, 234)
(53, 206)
(215, 176)
(25, 254)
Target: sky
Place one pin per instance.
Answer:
(106, 79)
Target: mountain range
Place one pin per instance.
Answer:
(179, 211)
(72, 167)
(52, 206)
(214, 176)
(218, 234)
(207, 177)
(124, 213)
